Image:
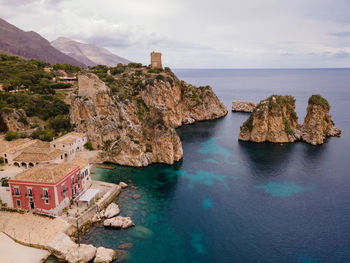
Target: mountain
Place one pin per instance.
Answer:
(88, 54)
(30, 45)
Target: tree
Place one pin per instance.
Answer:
(11, 136)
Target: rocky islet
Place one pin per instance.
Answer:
(275, 120)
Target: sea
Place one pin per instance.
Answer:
(229, 201)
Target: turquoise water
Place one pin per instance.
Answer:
(231, 201)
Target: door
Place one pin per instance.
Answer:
(31, 204)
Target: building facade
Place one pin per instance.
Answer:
(49, 188)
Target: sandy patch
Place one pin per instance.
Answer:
(12, 252)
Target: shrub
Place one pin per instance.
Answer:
(4, 181)
(88, 146)
(47, 135)
(23, 120)
(148, 148)
(11, 136)
(248, 124)
(2, 161)
(134, 65)
(319, 100)
(160, 77)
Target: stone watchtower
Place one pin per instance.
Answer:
(156, 60)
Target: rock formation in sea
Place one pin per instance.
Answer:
(275, 120)
(318, 124)
(133, 118)
(243, 106)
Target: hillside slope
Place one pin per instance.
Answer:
(88, 54)
(30, 45)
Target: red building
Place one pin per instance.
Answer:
(49, 188)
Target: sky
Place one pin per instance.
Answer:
(199, 33)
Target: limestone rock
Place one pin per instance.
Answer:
(61, 245)
(134, 119)
(119, 222)
(123, 185)
(273, 120)
(81, 254)
(243, 106)
(9, 120)
(104, 255)
(112, 210)
(64, 248)
(318, 124)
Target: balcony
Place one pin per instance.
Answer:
(45, 196)
(29, 195)
(16, 194)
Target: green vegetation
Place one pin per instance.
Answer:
(61, 86)
(88, 146)
(11, 136)
(148, 148)
(36, 96)
(4, 181)
(2, 161)
(248, 124)
(67, 68)
(320, 101)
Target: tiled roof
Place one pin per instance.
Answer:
(37, 156)
(46, 173)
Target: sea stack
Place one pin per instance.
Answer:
(273, 120)
(318, 124)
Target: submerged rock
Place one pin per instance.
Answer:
(273, 120)
(133, 119)
(119, 222)
(243, 106)
(125, 246)
(142, 232)
(112, 210)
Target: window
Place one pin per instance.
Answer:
(5, 155)
(45, 193)
(16, 189)
(63, 189)
(18, 202)
(78, 186)
(46, 201)
(29, 191)
(54, 145)
(73, 180)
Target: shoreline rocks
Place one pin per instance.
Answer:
(104, 255)
(243, 106)
(112, 210)
(275, 120)
(119, 222)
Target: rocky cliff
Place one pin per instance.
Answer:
(133, 118)
(13, 120)
(275, 120)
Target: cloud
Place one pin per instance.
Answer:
(341, 34)
(254, 33)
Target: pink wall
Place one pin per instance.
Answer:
(37, 191)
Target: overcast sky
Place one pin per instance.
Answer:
(199, 33)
